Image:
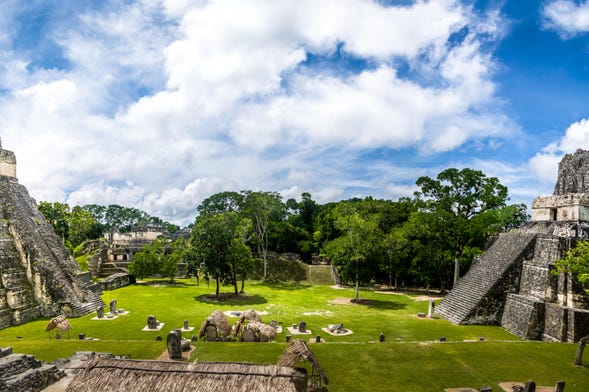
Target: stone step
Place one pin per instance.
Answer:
(14, 364)
(462, 301)
(33, 379)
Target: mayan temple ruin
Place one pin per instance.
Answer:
(511, 284)
(38, 276)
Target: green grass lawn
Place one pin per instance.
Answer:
(410, 359)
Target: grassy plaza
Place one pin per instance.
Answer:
(411, 358)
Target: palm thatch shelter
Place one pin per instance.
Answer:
(261, 332)
(215, 327)
(112, 374)
(246, 317)
(60, 323)
(298, 352)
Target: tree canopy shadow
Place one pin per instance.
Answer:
(163, 283)
(231, 299)
(283, 285)
(378, 304)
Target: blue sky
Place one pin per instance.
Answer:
(159, 104)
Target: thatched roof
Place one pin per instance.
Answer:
(59, 322)
(298, 351)
(248, 315)
(111, 374)
(219, 320)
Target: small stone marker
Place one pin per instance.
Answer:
(295, 326)
(421, 315)
(194, 338)
(248, 335)
(318, 339)
(113, 306)
(151, 322)
(288, 338)
(185, 344)
(174, 343)
(273, 323)
(559, 386)
(186, 324)
(381, 337)
(158, 338)
(485, 389)
(430, 311)
(211, 333)
(302, 327)
(442, 338)
(100, 313)
(530, 386)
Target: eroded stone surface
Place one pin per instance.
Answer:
(38, 276)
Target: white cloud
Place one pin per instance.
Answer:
(545, 164)
(161, 103)
(566, 17)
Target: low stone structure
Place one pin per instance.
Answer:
(38, 276)
(512, 283)
(21, 372)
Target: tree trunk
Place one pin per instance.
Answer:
(456, 268)
(357, 278)
(579, 355)
(217, 290)
(242, 283)
(234, 278)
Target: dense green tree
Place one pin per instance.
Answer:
(82, 226)
(58, 216)
(161, 257)
(396, 245)
(228, 201)
(146, 262)
(464, 202)
(212, 239)
(575, 262)
(357, 246)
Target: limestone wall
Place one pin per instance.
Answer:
(7, 163)
(561, 208)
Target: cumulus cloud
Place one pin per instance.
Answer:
(158, 104)
(545, 163)
(567, 17)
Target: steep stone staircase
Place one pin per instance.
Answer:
(474, 288)
(21, 372)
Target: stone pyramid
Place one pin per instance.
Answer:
(512, 283)
(38, 276)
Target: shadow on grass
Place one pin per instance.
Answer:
(164, 283)
(231, 299)
(283, 286)
(378, 304)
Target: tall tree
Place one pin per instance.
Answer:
(218, 245)
(263, 208)
(463, 201)
(357, 243)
